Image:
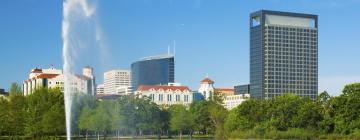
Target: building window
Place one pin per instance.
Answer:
(161, 97)
(177, 98)
(169, 97)
(186, 98)
(152, 97)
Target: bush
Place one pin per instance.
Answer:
(294, 133)
(355, 135)
(261, 133)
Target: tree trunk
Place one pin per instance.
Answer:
(180, 134)
(86, 135)
(98, 135)
(190, 134)
(118, 134)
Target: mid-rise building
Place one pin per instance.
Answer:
(283, 54)
(154, 70)
(242, 89)
(124, 90)
(116, 80)
(225, 91)
(54, 78)
(100, 89)
(232, 101)
(166, 94)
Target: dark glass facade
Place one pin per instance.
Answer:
(283, 54)
(157, 70)
(242, 89)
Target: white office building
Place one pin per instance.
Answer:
(100, 89)
(232, 101)
(116, 81)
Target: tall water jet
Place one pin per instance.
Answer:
(76, 13)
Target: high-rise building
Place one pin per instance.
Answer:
(283, 54)
(155, 70)
(115, 79)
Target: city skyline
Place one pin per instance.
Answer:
(32, 38)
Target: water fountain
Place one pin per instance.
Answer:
(76, 13)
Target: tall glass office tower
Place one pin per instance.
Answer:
(155, 70)
(283, 54)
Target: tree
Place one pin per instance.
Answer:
(283, 110)
(181, 119)
(346, 109)
(247, 115)
(4, 107)
(45, 113)
(218, 115)
(101, 118)
(201, 114)
(15, 89)
(86, 121)
(16, 114)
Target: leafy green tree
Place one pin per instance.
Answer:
(15, 89)
(86, 121)
(181, 119)
(283, 110)
(346, 109)
(45, 113)
(102, 118)
(16, 114)
(308, 114)
(324, 98)
(4, 108)
(247, 115)
(218, 115)
(201, 114)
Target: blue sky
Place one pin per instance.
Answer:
(212, 36)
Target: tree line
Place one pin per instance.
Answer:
(41, 114)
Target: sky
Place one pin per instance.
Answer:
(211, 37)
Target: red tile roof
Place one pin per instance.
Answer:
(173, 88)
(207, 80)
(48, 76)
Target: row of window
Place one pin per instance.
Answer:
(169, 97)
(290, 29)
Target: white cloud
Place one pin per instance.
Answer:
(335, 84)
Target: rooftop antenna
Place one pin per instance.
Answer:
(168, 49)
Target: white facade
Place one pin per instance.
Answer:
(100, 89)
(116, 78)
(166, 95)
(54, 78)
(232, 101)
(124, 90)
(207, 88)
